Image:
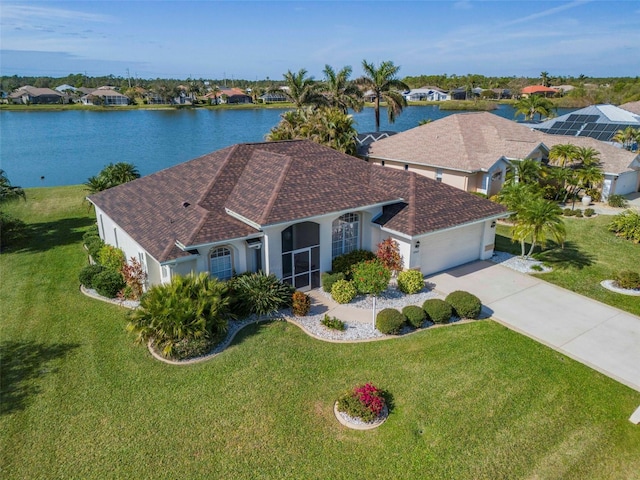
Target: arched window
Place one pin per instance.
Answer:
(345, 234)
(220, 264)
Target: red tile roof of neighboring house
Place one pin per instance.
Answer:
(539, 89)
(201, 201)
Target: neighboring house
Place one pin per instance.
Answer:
(104, 96)
(459, 93)
(274, 97)
(229, 95)
(473, 151)
(469, 151)
(596, 121)
(289, 208)
(365, 139)
(564, 88)
(539, 90)
(431, 94)
(32, 95)
(65, 88)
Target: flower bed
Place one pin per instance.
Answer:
(362, 407)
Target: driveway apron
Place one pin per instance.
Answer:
(602, 337)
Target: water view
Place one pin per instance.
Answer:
(66, 147)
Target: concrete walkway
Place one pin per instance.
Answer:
(602, 337)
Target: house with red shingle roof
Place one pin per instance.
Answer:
(289, 208)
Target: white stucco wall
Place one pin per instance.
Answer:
(626, 183)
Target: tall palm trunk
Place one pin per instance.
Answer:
(376, 107)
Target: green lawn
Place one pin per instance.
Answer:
(473, 401)
(591, 254)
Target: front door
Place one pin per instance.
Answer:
(305, 269)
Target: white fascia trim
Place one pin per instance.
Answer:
(175, 261)
(409, 162)
(338, 213)
(237, 216)
(213, 244)
(482, 220)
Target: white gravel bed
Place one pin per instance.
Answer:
(519, 264)
(611, 285)
(354, 330)
(392, 298)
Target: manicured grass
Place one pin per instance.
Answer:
(472, 401)
(591, 254)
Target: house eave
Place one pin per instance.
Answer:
(420, 164)
(185, 248)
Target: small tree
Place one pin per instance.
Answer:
(389, 255)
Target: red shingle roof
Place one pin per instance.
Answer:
(269, 183)
(539, 89)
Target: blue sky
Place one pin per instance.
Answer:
(260, 39)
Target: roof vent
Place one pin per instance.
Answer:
(185, 204)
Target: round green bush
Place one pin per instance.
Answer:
(410, 281)
(329, 278)
(438, 311)
(579, 213)
(628, 279)
(464, 304)
(88, 235)
(343, 291)
(389, 321)
(108, 283)
(94, 244)
(589, 212)
(415, 315)
(88, 273)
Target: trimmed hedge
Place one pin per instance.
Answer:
(343, 263)
(410, 281)
(415, 316)
(464, 304)
(88, 273)
(343, 291)
(389, 321)
(329, 278)
(108, 283)
(438, 311)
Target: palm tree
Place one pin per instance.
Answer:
(527, 171)
(112, 175)
(339, 91)
(8, 191)
(538, 220)
(303, 90)
(628, 138)
(563, 154)
(544, 78)
(532, 105)
(384, 84)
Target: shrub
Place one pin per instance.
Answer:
(88, 273)
(579, 213)
(438, 311)
(389, 321)
(537, 268)
(617, 201)
(189, 308)
(135, 277)
(371, 277)
(410, 281)
(89, 234)
(627, 225)
(343, 291)
(108, 283)
(628, 280)
(567, 212)
(365, 402)
(389, 254)
(300, 304)
(343, 263)
(464, 304)
(111, 257)
(595, 194)
(414, 315)
(589, 212)
(94, 244)
(12, 229)
(191, 348)
(329, 278)
(333, 323)
(262, 294)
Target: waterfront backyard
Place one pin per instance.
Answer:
(79, 400)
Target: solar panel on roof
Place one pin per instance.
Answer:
(554, 131)
(605, 136)
(573, 118)
(598, 127)
(611, 127)
(591, 118)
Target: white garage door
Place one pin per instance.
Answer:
(627, 183)
(450, 249)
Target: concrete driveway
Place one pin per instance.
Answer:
(602, 337)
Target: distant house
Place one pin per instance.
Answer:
(230, 95)
(289, 208)
(430, 94)
(562, 89)
(473, 152)
(633, 107)
(539, 90)
(65, 88)
(459, 93)
(104, 96)
(273, 97)
(32, 95)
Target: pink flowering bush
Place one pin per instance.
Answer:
(365, 402)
